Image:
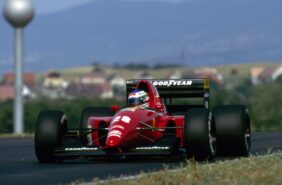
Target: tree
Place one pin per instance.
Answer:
(266, 107)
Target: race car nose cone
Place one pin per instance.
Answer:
(114, 138)
(113, 142)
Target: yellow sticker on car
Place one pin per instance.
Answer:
(206, 84)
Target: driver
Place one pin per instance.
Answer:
(138, 98)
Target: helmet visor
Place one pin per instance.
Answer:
(135, 101)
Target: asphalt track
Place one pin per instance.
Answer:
(18, 163)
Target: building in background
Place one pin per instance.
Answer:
(54, 79)
(96, 84)
(118, 84)
(7, 86)
(254, 74)
(175, 75)
(53, 85)
(143, 75)
(6, 92)
(277, 73)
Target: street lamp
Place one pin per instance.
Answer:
(18, 13)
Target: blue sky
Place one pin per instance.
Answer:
(211, 35)
(50, 6)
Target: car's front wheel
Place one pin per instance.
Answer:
(48, 134)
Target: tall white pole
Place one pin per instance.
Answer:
(18, 13)
(18, 85)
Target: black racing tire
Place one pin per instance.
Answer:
(49, 129)
(199, 134)
(233, 130)
(88, 112)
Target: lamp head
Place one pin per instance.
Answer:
(18, 12)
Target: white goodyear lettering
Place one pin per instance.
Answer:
(81, 149)
(115, 133)
(169, 83)
(153, 148)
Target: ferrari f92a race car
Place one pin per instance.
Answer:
(176, 121)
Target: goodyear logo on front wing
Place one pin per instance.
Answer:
(169, 83)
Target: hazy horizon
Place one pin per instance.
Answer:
(198, 32)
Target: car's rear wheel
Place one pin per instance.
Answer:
(48, 134)
(233, 130)
(93, 112)
(199, 134)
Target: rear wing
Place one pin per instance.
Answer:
(172, 90)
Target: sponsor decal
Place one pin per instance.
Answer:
(169, 83)
(116, 119)
(81, 149)
(206, 84)
(115, 133)
(124, 119)
(118, 127)
(153, 148)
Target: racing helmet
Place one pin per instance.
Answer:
(138, 98)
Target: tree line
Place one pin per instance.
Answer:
(263, 101)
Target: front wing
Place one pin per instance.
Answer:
(72, 148)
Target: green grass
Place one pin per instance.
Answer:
(16, 135)
(255, 170)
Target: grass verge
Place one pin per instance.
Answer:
(15, 135)
(255, 170)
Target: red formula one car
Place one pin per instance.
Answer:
(175, 121)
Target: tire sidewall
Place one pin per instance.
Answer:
(198, 134)
(48, 134)
(233, 130)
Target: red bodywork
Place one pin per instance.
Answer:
(135, 126)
